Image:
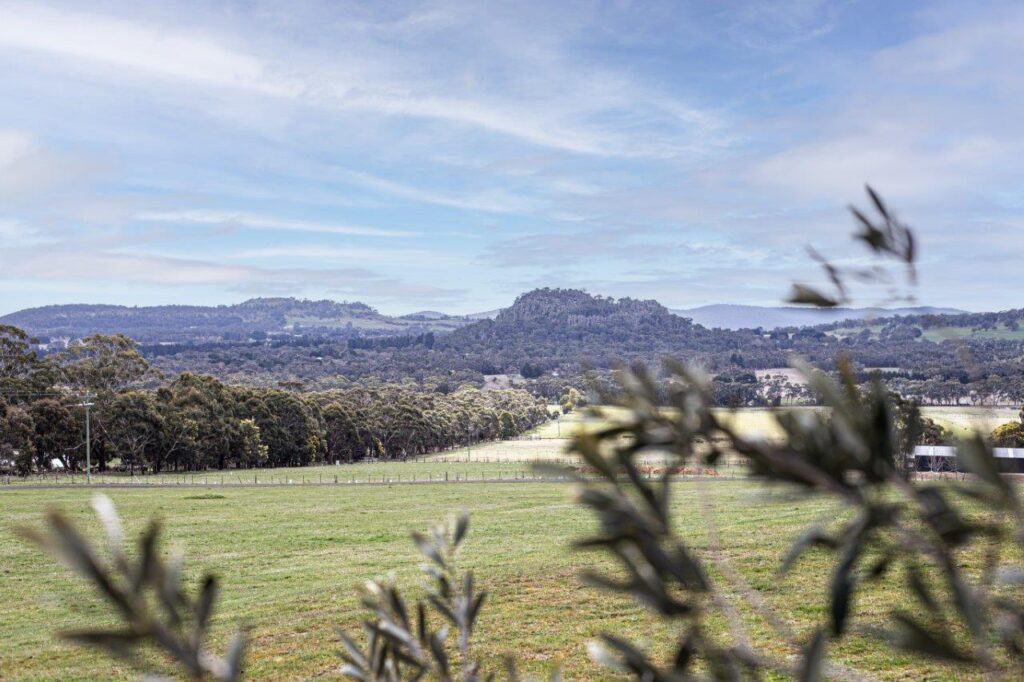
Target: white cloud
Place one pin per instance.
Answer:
(985, 47)
(493, 201)
(133, 268)
(135, 46)
(28, 170)
(15, 232)
(833, 169)
(558, 106)
(261, 222)
(14, 145)
(408, 257)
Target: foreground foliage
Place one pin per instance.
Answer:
(147, 594)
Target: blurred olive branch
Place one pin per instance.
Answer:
(886, 237)
(147, 595)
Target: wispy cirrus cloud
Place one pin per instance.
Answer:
(30, 170)
(319, 253)
(243, 220)
(140, 268)
(592, 115)
(905, 164)
(139, 47)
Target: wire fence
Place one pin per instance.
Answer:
(251, 479)
(495, 461)
(257, 481)
(433, 470)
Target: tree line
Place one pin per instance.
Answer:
(145, 423)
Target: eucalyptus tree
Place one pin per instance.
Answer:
(17, 438)
(133, 426)
(24, 375)
(59, 432)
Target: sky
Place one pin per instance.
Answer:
(451, 155)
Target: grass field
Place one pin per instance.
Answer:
(961, 421)
(760, 422)
(752, 421)
(940, 334)
(291, 556)
(1000, 333)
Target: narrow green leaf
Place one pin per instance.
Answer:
(804, 295)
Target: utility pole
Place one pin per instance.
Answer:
(86, 403)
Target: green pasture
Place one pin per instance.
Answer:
(1000, 333)
(962, 421)
(290, 557)
(762, 423)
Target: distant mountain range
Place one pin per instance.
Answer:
(727, 316)
(254, 318)
(548, 335)
(259, 317)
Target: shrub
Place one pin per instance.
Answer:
(1009, 435)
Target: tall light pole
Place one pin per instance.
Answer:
(88, 440)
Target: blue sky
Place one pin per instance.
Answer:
(450, 155)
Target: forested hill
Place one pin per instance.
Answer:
(544, 332)
(559, 328)
(254, 318)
